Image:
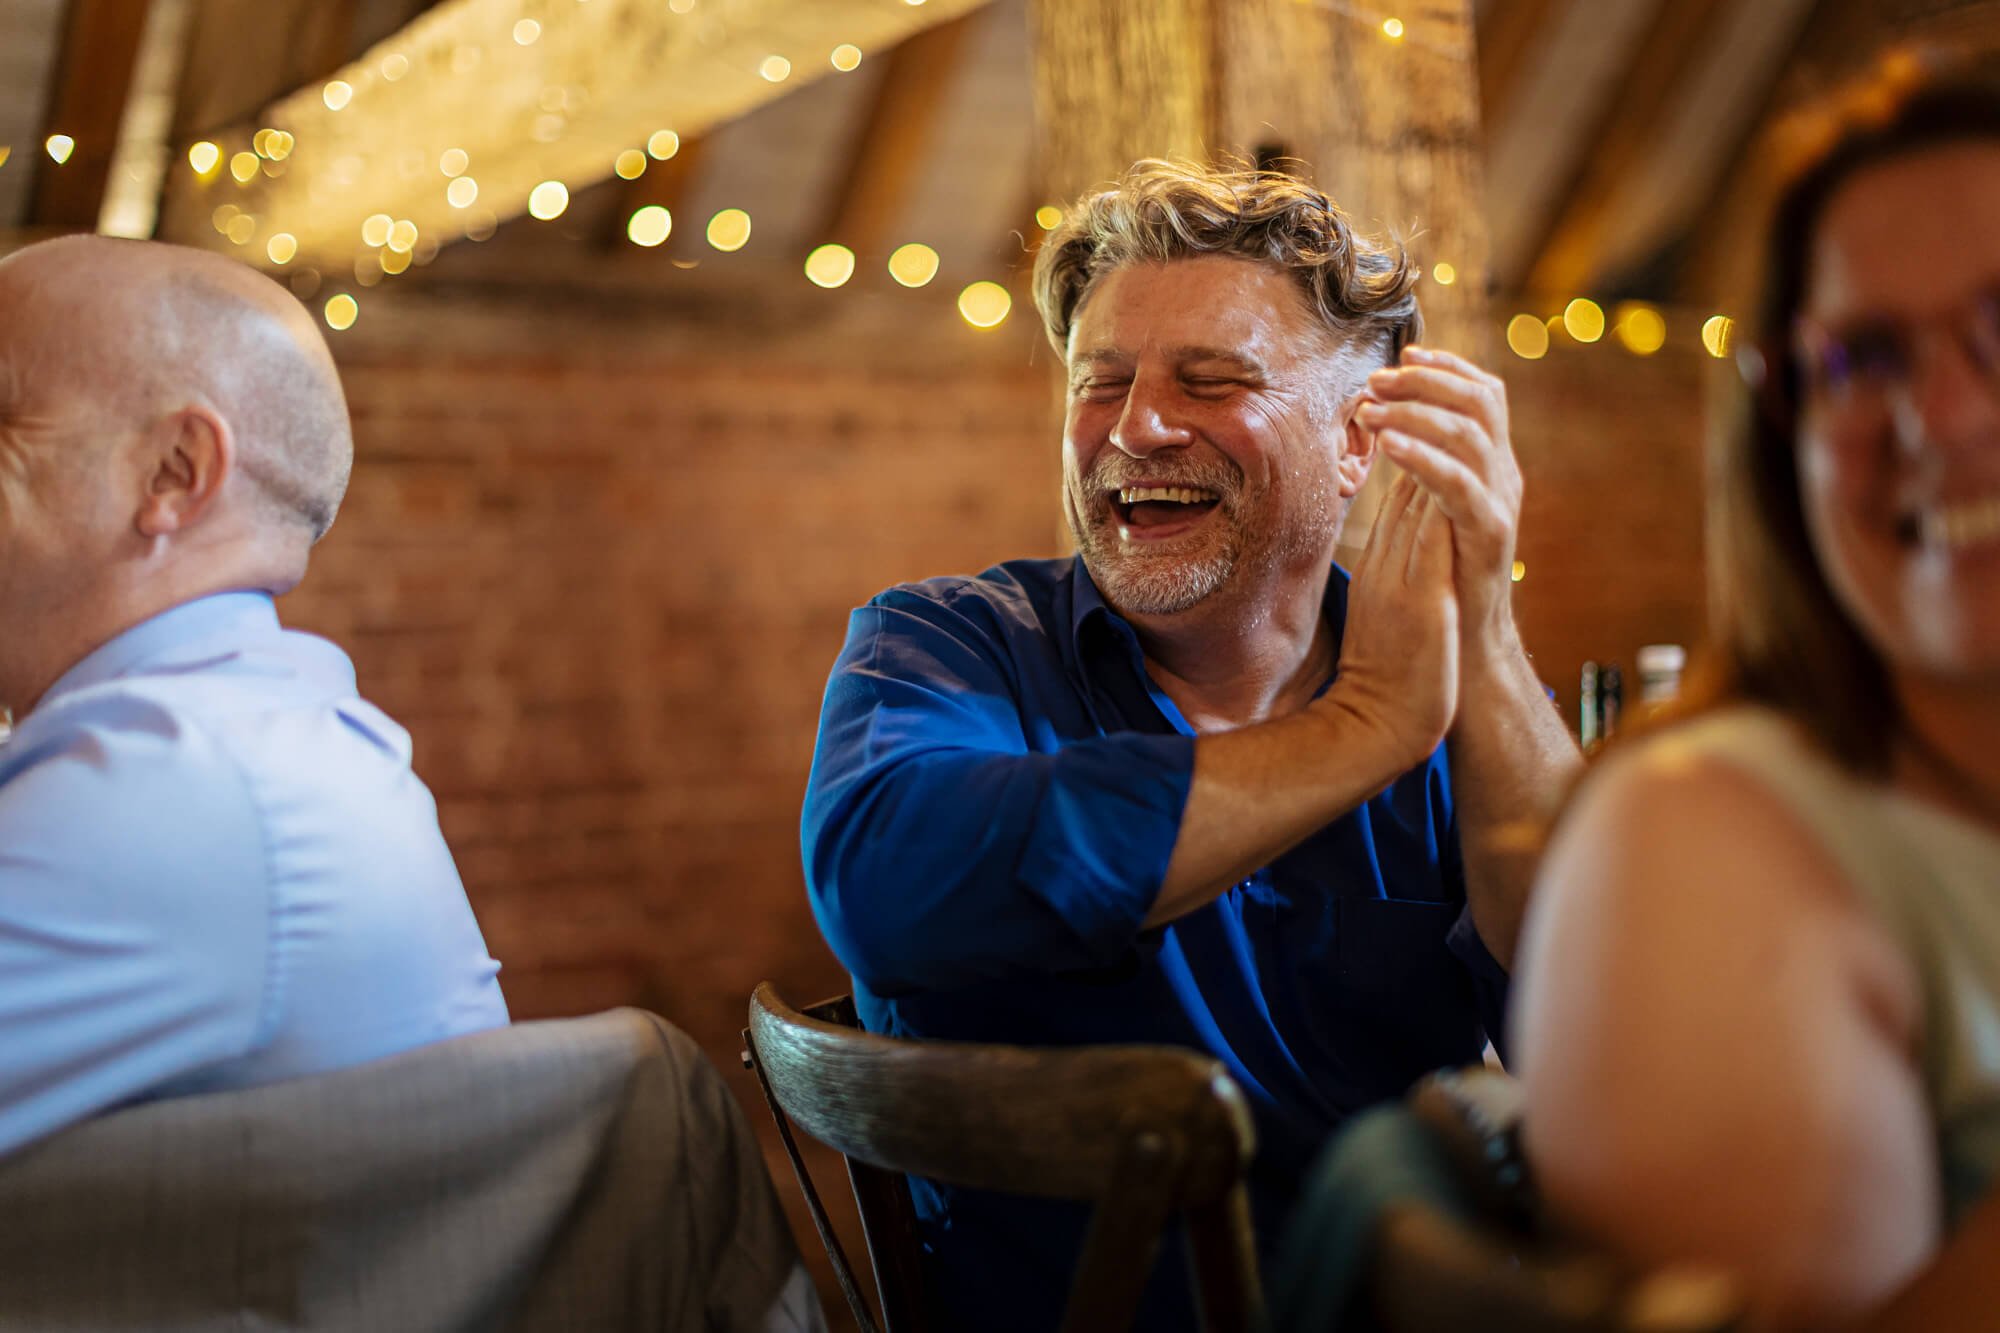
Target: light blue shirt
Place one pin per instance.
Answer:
(217, 870)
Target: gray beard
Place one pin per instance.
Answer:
(1168, 583)
(1165, 584)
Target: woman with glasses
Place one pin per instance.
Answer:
(1759, 1022)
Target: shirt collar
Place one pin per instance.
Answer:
(1087, 603)
(186, 633)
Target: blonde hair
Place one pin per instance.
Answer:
(1362, 288)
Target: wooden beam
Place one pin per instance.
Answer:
(100, 46)
(530, 92)
(1388, 127)
(889, 150)
(1505, 41)
(1570, 255)
(1115, 82)
(243, 54)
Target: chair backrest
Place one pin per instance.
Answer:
(1424, 1216)
(1431, 1272)
(583, 1173)
(1144, 1133)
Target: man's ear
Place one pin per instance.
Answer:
(1357, 453)
(187, 458)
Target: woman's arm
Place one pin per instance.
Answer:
(1717, 1041)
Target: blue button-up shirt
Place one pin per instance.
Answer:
(217, 870)
(997, 790)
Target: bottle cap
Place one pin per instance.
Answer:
(1661, 659)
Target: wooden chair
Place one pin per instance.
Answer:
(1142, 1132)
(1493, 1265)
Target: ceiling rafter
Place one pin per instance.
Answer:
(668, 184)
(1677, 37)
(1505, 41)
(889, 150)
(100, 48)
(530, 91)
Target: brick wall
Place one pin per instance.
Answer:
(1611, 525)
(603, 595)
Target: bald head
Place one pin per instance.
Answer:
(171, 425)
(142, 329)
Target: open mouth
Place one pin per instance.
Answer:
(1948, 527)
(1143, 507)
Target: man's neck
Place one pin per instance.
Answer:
(87, 620)
(1236, 660)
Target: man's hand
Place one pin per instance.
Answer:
(1443, 420)
(1399, 653)
(1259, 789)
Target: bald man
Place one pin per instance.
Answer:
(216, 866)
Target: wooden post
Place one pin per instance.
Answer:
(1387, 125)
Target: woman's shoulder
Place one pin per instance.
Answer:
(1730, 832)
(1708, 766)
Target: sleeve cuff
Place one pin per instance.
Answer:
(1104, 834)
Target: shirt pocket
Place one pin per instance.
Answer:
(1385, 939)
(1405, 1003)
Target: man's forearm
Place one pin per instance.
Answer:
(1512, 760)
(1261, 791)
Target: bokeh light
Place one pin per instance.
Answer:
(830, 266)
(846, 57)
(1583, 319)
(631, 165)
(341, 311)
(547, 201)
(1528, 337)
(1642, 329)
(729, 229)
(649, 226)
(985, 304)
(914, 264)
(1718, 334)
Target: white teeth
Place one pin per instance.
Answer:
(1185, 495)
(1961, 524)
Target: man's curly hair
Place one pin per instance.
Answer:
(1362, 288)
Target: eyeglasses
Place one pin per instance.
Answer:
(1855, 370)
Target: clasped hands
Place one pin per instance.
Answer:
(1430, 598)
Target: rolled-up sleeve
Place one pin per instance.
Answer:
(941, 848)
